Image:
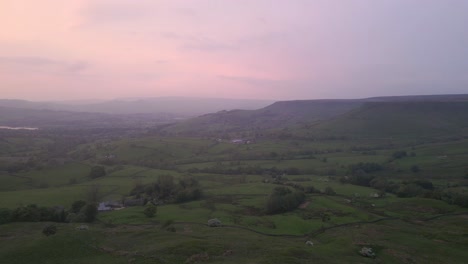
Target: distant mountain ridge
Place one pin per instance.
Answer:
(373, 117)
(338, 117)
(420, 98)
(46, 118)
(186, 106)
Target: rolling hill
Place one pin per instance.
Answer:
(185, 106)
(399, 119)
(277, 115)
(373, 117)
(44, 118)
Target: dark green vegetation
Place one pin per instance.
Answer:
(386, 173)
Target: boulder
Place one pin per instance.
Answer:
(82, 227)
(214, 222)
(367, 252)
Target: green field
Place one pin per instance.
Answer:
(367, 177)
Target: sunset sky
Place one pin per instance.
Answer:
(259, 49)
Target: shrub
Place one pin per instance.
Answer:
(399, 154)
(49, 230)
(426, 184)
(329, 191)
(188, 195)
(97, 171)
(409, 190)
(150, 211)
(198, 258)
(415, 168)
(73, 181)
(167, 223)
(71, 217)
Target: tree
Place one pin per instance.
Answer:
(325, 217)
(329, 191)
(165, 186)
(5, 215)
(77, 205)
(426, 184)
(97, 171)
(399, 154)
(89, 212)
(409, 190)
(379, 183)
(150, 210)
(310, 189)
(29, 213)
(283, 199)
(94, 193)
(415, 168)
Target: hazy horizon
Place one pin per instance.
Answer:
(96, 100)
(55, 50)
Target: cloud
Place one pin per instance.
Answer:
(297, 48)
(43, 63)
(78, 66)
(118, 10)
(256, 81)
(33, 61)
(199, 42)
(190, 12)
(277, 88)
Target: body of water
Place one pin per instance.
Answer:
(16, 128)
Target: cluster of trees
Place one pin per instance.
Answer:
(25, 164)
(252, 170)
(453, 197)
(410, 188)
(32, 213)
(361, 174)
(402, 154)
(283, 199)
(80, 211)
(166, 189)
(364, 168)
(97, 171)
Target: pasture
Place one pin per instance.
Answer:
(401, 230)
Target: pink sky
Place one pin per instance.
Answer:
(262, 49)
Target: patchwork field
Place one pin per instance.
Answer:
(344, 209)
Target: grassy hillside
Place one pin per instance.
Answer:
(277, 115)
(399, 119)
(371, 117)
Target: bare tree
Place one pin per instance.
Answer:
(93, 194)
